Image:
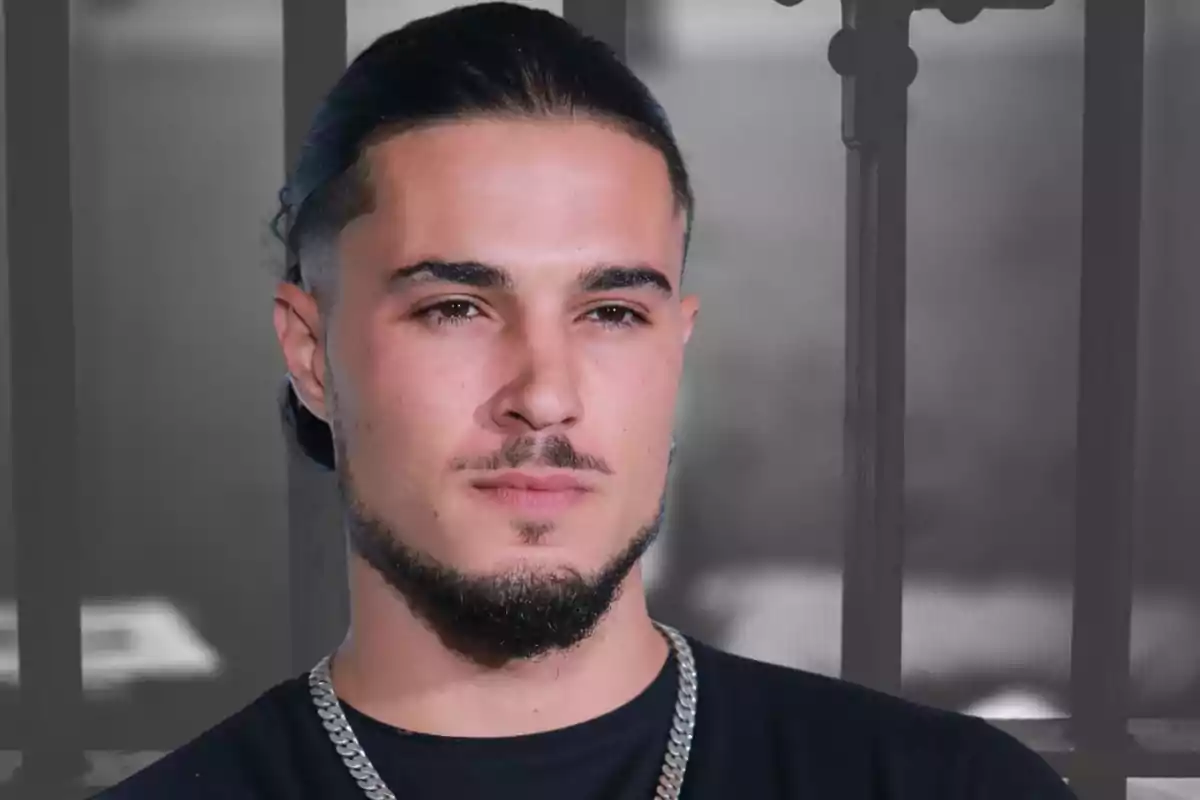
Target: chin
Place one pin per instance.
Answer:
(561, 554)
(540, 561)
(494, 544)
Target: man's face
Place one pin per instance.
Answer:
(503, 353)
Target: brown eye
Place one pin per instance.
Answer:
(616, 316)
(450, 312)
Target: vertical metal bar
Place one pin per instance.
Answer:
(645, 33)
(42, 337)
(314, 56)
(1108, 341)
(606, 20)
(872, 54)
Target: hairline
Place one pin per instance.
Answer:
(355, 181)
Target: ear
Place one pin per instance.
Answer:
(298, 326)
(690, 309)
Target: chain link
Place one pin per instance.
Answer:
(670, 781)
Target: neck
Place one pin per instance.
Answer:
(395, 669)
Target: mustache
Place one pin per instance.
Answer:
(552, 451)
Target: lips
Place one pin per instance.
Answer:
(532, 483)
(532, 494)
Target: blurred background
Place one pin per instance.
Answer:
(177, 155)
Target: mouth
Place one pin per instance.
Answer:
(544, 494)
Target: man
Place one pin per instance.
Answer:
(484, 328)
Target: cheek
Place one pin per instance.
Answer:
(632, 394)
(414, 404)
(425, 394)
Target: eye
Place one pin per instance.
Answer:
(449, 312)
(613, 316)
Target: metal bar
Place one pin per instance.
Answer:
(1108, 342)
(314, 56)
(1149, 764)
(645, 33)
(1138, 764)
(1048, 737)
(44, 442)
(872, 54)
(606, 20)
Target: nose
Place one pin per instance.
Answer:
(544, 393)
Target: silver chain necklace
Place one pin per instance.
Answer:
(670, 780)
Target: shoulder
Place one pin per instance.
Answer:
(235, 760)
(835, 706)
(823, 721)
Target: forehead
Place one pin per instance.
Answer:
(522, 193)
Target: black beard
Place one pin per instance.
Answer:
(493, 619)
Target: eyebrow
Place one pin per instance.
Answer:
(603, 278)
(607, 278)
(465, 273)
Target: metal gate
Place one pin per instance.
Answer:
(873, 56)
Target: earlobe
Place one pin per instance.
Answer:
(298, 328)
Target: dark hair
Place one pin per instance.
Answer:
(488, 59)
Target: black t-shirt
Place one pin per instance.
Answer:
(762, 732)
